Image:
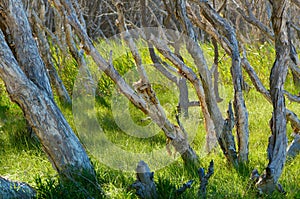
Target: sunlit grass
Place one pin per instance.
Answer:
(21, 157)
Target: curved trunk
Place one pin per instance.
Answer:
(278, 140)
(26, 80)
(56, 136)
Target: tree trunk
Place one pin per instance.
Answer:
(183, 106)
(44, 49)
(216, 70)
(24, 46)
(177, 136)
(203, 71)
(278, 140)
(63, 148)
(241, 113)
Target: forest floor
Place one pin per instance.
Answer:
(22, 158)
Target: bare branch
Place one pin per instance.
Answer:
(184, 187)
(296, 2)
(204, 179)
(253, 20)
(291, 97)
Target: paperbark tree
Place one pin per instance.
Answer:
(278, 140)
(26, 80)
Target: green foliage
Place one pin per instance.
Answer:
(22, 157)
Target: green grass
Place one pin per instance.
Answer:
(21, 156)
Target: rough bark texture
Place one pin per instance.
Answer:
(44, 49)
(226, 140)
(241, 113)
(56, 136)
(15, 190)
(144, 184)
(278, 139)
(24, 45)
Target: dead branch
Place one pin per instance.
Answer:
(291, 97)
(241, 113)
(184, 187)
(191, 76)
(250, 18)
(11, 189)
(278, 140)
(197, 54)
(204, 179)
(290, 115)
(144, 89)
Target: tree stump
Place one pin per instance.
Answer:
(144, 184)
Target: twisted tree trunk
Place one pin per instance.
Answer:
(278, 140)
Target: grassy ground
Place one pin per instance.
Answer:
(21, 157)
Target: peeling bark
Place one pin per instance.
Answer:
(63, 148)
(226, 140)
(24, 45)
(278, 140)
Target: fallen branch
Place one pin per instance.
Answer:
(11, 189)
(184, 187)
